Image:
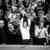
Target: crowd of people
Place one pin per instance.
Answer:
(29, 21)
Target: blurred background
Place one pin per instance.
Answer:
(6, 6)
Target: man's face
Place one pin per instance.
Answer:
(40, 13)
(25, 24)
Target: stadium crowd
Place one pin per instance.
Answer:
(27, 20)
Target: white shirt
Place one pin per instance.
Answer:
(40, 32)
(24, 31)
(43, 33)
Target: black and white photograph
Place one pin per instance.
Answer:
(25, 22)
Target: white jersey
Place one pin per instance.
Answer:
(41, 33)
(24, 31)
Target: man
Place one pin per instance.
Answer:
(25, 30)
(41, 33)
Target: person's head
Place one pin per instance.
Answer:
(25, 24)
(40, 12)
(40, 3)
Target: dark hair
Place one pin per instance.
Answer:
(26, 22)
(25, 19)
